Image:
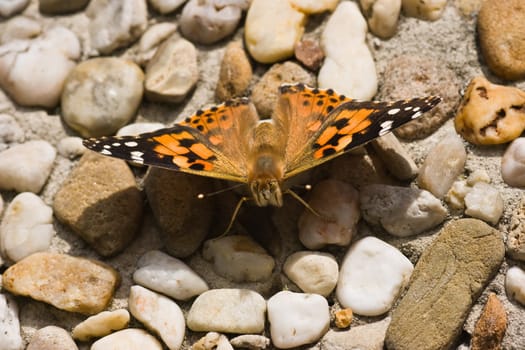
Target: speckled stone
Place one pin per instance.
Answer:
(448, 278)
(235, 73)
(369, 336)
(409, 76)
(184, 219)
(66, 282)
(501, 25)
(516, 236)
(100, 201)
(51, 338)
(490, 328)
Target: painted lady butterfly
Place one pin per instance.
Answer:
(230, 142)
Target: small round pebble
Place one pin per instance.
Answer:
(167, 275)
(9, 324)
(395, 157)
(442, 166)
(382, 16)
(515, 284)
(309, 53)
(51, 338)
(212, 341)
(159, 314)
(235, 74)
(338, 204)
(483, 201)
(238, 258)
(37, 158)
(101, 324)
(370, 263)
(488, 114)
(10, 131)
(151, 39)
(172, 72)
(426, 10)
(117, 23)
(250, 341)
(129, 339)
(27, 227)
(71, 147)
(343, 318)
(166, 6)
(227, 310)
(9, 8)
(297, 319)
(313, 272)
(101, 95)
(513, 163)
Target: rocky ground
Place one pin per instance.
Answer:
(427, 246)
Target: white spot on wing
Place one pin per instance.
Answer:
(115, 144)
(393, 111)
(107, 146)
(407, 108)
(131, 144)
(416, 115)
(385, 127)
(106, 152)
(416, 109)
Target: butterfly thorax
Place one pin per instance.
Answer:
(266, 166)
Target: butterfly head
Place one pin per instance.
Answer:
(266, 191)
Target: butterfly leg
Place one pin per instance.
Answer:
(306, 205)
(234, 215)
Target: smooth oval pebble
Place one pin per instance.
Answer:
(368, 264)
(9, 324)
(151, 39)
(313, 272)
(37, 158)
(250, 341)
(297, 319)
(513, 163)
(272, 29)
(129, 339)
(349, 67)
(12, 7)
(115, 23)
(442, 166)
(159, 314)
(311, 7)
(382, 16)
(166, 6)
(101, 324)
(20, 27)
(337, 201)
(401, 211)
(167, 275)
(101, 95)
(27, 227)
(21, 62)
(172, 72)
(235, 73)
(483, 201)
(51, 338)
(238, 258)
(395, 157)
(227, 310)
(430, 10)
(515, 284)
(60, 280)
(71, 147)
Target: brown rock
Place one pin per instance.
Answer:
(343, 318)
(410, 76)
(100, 201)
(490, 328)
(235, 74)
(501, 29)
(183, 218)
(447, 279)
(490, 114)
(66, 282)
(309, 53)
(394, 156)
(266, 91)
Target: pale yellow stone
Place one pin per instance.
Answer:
(429, 10)
(101, 324)
(272, 29)
(314, 6)
(382, 16)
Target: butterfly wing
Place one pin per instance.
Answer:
(322, 125)
(196, 145)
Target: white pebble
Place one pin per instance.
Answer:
(238, 258)
(101, 324)
(158, 313)
(10, 131)
(314, 6)
(513, 163)
(27, 227)
(382, 16)
(338, 204)
(9, 324)
(349, 66)
(428, 10)
(139, 128)
(20, 27)
(313, 272)
(456, 195)
(129, 339)
(21, 62)
(166, 6)
(297, 319)
(401, 211)
(515, 284)
(212, 341)
(152, 38)
(206, 21)
(272, 29)
(116, 23)
(250, 341)
(71, 147)
(172, 72)
(478, 175)
(484, 202)
(168, 275)
(27, 166)
(227, 310)
(11, 7)
(372, 275)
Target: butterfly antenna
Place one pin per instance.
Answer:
(234, 215)
(205, 195)
(303, 202)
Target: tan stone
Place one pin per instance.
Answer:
(490, 328)
(235, 73)
(491, 114)
(343, 318)
(66, 282)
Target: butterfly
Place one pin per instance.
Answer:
(309, 126)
